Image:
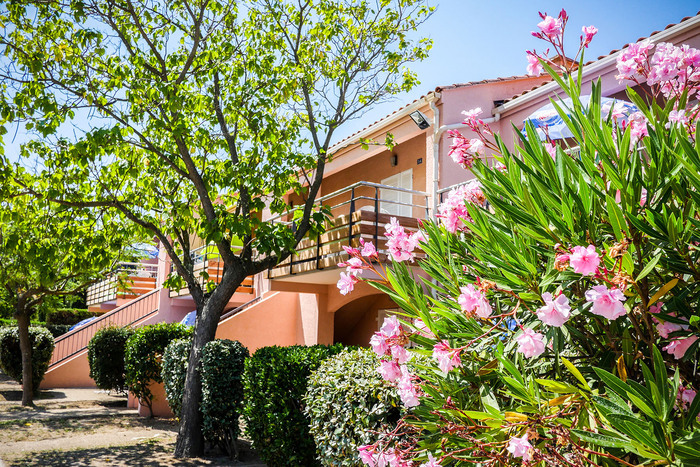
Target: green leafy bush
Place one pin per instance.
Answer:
(11, 356)
(173, 372)
(348, 403)
(143, 355)
(69, 316)
(106, 357)
(221, 367)
(275, 383)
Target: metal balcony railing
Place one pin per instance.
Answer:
(208, 266)
(359, 211)
(127, 280)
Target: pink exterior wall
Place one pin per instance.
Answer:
(73, 373)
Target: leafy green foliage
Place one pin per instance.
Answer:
(276, 380)
(143, 354)
(55, 329)
(11, 357)
(222, 367)
(69, 316)
(348, 403)
(106, 352)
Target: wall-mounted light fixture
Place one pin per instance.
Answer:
(419, 119)
(394, 160)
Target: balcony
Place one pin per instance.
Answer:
(208, 266)
(360, 211)
(126, 281)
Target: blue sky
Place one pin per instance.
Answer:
(474, 40)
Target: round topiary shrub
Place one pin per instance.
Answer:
(142, 357)
(348, 403)
(106, 357)
(275, 384)
(221, 367)
(11, 356)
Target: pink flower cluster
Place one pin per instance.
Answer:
(355, 265)
(389, 341)
(474, 301)
(447, 358)
(530, 343)
(370, 455)
(684, 397)
(556, 311)
(673, 69)
(606, 302)
(464, 151)
(453, 211)
(678, 346)
(400, 243)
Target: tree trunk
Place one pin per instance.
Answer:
(25, 347)
(190, 441)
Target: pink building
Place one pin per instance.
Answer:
(297, 302)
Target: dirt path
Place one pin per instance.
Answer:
(85, 427)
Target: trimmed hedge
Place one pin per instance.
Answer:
(275, 384)
(69, 316)
(221, 367)
(55, 329)
(11, 356)
(142, 358)
(348, 403)
(106, 357)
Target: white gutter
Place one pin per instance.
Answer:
(437, 134)
(596, 67)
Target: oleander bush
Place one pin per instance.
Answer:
(106, 352)
(558, 298)
(11, 356)
(143, 355)
(275, 383)
(222, 366)
(68, 316)
(348, 403)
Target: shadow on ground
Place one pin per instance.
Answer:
(145, 454)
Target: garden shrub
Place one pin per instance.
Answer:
(222, 366)
(173, 372)
(11, 356)
(142, 357)
(106, 357)
(559, 293)
(348, 403)
(275, 383)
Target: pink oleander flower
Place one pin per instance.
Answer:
(407, 390)
(347, 282)
(550, 27)
(389, 370)
(684, 397)
(520, 447)
(656, 308)
(588, 33)
(470, 116)
(379, 344)
(584, 260)
(474, 301)
(351, 251)
(400, 243)
(677, 117)
(453, 213)
(679, 347)
(368, 249)
(353, 266)
(534, 67)
(606, 302)
(638, 127)
(367, 455)
(400, 354)
(447, 357)
(391, 327)
(633, 59)
(530, 343)
(551, 150)
(555, 312)
(464, 151)
(668, 327)
(432, 462)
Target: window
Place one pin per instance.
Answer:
(390, 198)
